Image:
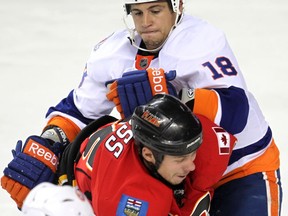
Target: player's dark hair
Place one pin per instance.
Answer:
(157, 155)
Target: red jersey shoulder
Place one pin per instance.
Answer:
(112, 137)
(213, 154)
(214, 134)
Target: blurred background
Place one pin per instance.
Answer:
(44, 46)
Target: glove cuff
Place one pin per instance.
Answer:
(55, 134)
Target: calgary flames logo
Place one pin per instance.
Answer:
(152, 119)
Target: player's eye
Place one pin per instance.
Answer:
(155, 11)
(136, 13)
(180, 160)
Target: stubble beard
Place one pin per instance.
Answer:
(152, 44)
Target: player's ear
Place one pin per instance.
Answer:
(147, 154)
(181, 6)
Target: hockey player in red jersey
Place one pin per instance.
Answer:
(164, 44)
(148, 165)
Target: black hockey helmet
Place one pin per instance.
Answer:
(167, 126)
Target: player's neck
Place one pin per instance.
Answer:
(144, 58)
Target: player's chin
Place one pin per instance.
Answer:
(152, 39)
(152, 44)
(177, 180)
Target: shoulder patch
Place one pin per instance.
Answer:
(223, 140)
(132, 206)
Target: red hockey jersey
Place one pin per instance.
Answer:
(112, 172)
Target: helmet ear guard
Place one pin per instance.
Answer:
(167, 126)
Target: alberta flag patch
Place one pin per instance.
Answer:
(131, 206)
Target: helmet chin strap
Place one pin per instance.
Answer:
(133, 30)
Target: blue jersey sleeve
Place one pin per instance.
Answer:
(235, 109)
(67, 106)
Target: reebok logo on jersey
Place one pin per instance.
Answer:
(42, 154)
(157, 81)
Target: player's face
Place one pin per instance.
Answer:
(175, 168)
(153, 22)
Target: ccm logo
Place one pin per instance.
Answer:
(157, 81)
(42, 154)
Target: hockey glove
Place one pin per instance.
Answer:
(136, 88)
(36, 162)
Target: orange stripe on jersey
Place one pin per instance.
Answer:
(273, 192)
(70, 128)
(206, 103)
(268, 161)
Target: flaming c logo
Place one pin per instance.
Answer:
(152, 119)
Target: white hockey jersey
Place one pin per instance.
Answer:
(203, 60)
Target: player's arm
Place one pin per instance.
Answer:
(227, 107)
(67, 116)
(72, 153)
(210, 164)
(36, 161)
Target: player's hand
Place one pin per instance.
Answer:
(36, 162)
(136, 88)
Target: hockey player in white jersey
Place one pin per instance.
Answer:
(47, 199)
(166, 50)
